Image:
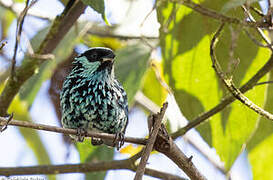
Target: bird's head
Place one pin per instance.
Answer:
(96, 59)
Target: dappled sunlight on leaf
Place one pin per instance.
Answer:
(187, 69)
(154, 85)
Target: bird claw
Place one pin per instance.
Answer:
(4, 127)
(81, 133)
(119, 140)
(96, 141)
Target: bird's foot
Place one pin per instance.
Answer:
(119, 140)
(81, 133)
(96, 141)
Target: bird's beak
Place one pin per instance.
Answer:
(107, 59)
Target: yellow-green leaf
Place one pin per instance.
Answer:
(260, 146)
(185, 41)
(97, 5)
(152, 87)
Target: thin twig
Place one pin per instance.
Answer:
(165, 144)
(122, 37)
(218, 16)
(2, 45)
(160, 79)
(226, 101)
(257, 11)
(149, 14)
(258, 43)
(42, 56)
(19, 28)
(17, 12)
(56, 129)
(262, 83)
(229, 83)
(259, 30)
(58, 30)
(5, 126)
(149, 147)
(145, 102)
(83, 168)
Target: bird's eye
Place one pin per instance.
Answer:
(94, 56)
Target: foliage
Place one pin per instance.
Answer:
(185, 66)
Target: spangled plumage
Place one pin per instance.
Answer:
(92, 98)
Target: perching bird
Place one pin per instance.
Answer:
(92, 98)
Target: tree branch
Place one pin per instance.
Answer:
(166, 145)
(146, 103)
(19, 29)
(163, 143)
(229, 83)
(156, 118)
(16, 12)
(2, 45)
(122, 37)
(56, 129)
(83, 168)
(218, 16)
(226, 101)
(259, 30)
(60, 27)
(102, 166)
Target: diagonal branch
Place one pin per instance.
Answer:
(56, 129)
(19, 29)
(165, 144)
(229, 83)
(122, 37)
(218, 16)
(16, 11)
(157, 118)
(60, 27)
(2, 45)
(259, 30)
(226, 101)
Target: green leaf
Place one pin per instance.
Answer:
(261, 158)
(89, 153)
(260, 146)
(31, 136)
(97, 5)
(130, 68)
(185, 42)
(30, 89)
(236, 3)
(186, 61)
(6, 18)
(97, 41)
(152, 87)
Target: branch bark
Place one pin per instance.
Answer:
(163, 143)
(83, 168)
(226, 101)
(60, 27)
(156, 118)
(4, 122)
(229, 83)
(218, 16)
(166, 145)
(19, 29)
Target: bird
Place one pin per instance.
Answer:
(93, 99)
